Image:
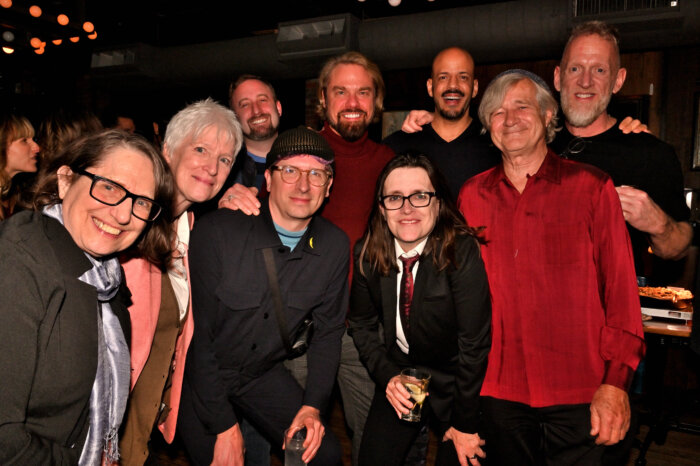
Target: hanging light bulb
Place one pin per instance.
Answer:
(35, 42)
(35, 11)
(6, 4)
(92, 36)
(57, 41)
(39, 51)
(8, 50)
(62, 19)
(88, 27)
(74, 39)
(394, 2)
(8, 36)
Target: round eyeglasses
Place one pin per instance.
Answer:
(112, 193)
(574, 147)
(291, 174)
(417, 200)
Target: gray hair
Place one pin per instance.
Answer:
(188, 124)
(496, 92)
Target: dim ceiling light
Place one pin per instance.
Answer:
(35, 11)
(8, 50)
(88, 26)
(8, 36)
(62, 20)
(394, 2)
(57, 41)
(92, 36)
(74, 39)
(6, 4)
(35, 42)
(39, 51)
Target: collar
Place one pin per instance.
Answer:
(417, 251)
(550, 170)
(346, 148)
(182, 228)
(265, 235)
(68, 254)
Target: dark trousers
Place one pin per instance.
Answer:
(387, 439)
(268, 402)
(517, 434)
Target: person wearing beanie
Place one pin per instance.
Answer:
(260, 284)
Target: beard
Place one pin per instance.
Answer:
(260, 133)
(452, 114)
(350, 131)
(585, 114)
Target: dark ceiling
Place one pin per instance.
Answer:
(179, 22)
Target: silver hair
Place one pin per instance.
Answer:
(496, 92)
(191, 121)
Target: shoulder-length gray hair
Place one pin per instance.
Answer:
(496, 92)
(188, 124)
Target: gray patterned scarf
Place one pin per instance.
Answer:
(110, 389)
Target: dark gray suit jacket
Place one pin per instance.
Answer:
(449, 334)
(48, 342)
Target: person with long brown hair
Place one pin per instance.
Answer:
(440, 323)
(18, 154)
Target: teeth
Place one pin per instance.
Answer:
(351, 115)
(584, 96)
(106, 228)
(258, 121)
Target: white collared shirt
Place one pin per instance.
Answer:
(401, 340)
(178, 273)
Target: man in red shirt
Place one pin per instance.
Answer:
(567, 333)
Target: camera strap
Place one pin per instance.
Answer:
(276, 297)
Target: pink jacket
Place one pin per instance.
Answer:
(144, 281)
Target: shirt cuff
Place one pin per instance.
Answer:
(618, 374)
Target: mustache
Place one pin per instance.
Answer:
(453, 91)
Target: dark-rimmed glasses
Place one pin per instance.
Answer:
(417, 200)
(112, 193)
(291, 174)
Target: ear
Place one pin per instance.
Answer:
(475, 91)
(279, 108)
(429, 85)
(547, 118)
(322, 99)
(65, 180)
(166, 154)
(557, 78)
(268, 179)
(328, 188)
(619, 80)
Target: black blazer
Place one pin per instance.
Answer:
(48, 342)
(449, 334)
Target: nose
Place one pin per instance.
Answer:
(35, 147)
(585, 78)
(303, 182)
(406, 208)
(211, 164)
(510, 118)
(352, 100)
(452, 82)
(122, 211)
(256, 109)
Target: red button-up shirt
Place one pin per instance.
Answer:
(566, 313)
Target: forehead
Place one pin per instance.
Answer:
(250, 89)
(407, 179)
(522, 91)
(590, 46)
(350, 74)
(453, 60)
(211, 134)
(302, 161)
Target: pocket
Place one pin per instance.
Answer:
(239, 300)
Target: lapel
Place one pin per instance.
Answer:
(388, 290)
(425, 270)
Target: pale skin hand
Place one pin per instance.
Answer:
(630, 125)
(669, 239)
(239, 197)
(229, 448)
(610, 415)
(398, 396)
(467, 446)
(308, 417)
(415, 120)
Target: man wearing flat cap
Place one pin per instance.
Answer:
(257, 281)
(567, 333)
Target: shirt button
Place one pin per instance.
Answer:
(266, 315)
(253, 347)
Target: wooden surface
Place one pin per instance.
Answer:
(665, 328)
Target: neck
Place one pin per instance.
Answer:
(259, 148)
(289, 224)
(601, 124)
(180, 204)
(449, 130)
(518, 167)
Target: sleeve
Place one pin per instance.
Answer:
(666, 178)
(209, 394)
(622, 337)
(323, 355)
(472, 301)
(364, 317)
(21, 312)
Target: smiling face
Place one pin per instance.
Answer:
(99, 229)
(588, 76)
(452, 85)
(349, 101)
(258, 111)
(410, 225)
(21, 156)
(293, 204)
(517, 125)
(200, 167)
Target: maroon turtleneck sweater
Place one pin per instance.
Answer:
(357, 167)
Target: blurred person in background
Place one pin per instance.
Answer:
(18, 154)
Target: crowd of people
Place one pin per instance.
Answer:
(218, 287)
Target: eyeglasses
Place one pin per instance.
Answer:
(574, 147)
(291, 174)
(111, 193)
(417, 200)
